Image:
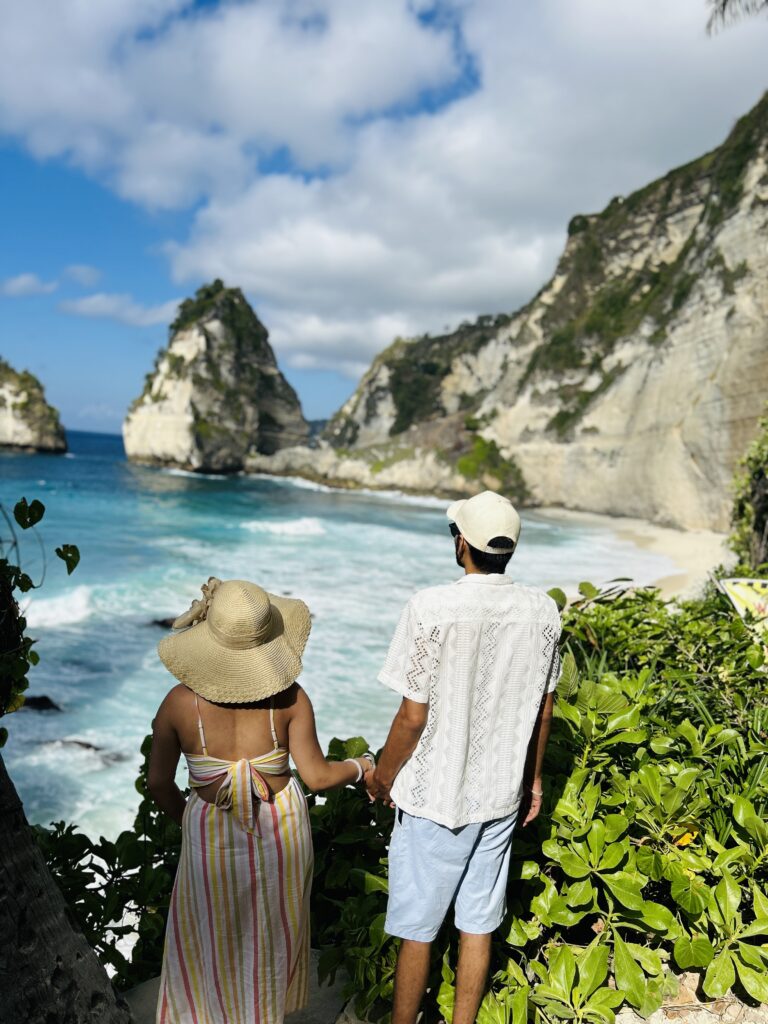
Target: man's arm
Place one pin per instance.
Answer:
(534, 761)
(407, 726)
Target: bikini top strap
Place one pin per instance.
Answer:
(200, 727)
(272, 722)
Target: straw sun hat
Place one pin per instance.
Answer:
(238, 644)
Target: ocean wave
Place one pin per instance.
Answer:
(65, 610)
(302, 484)
(170, 471)
(69, 455)
(388, 494)
(306, 527)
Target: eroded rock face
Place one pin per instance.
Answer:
(216, 394)
(630, 385)
(27, 421)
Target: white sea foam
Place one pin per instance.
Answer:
(69, 455)
(300, 483)
(191, 475)
(306, 527)
(424, 500)
(64, 610)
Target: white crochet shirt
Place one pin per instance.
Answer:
(481, 652)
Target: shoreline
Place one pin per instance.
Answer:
(695, 553)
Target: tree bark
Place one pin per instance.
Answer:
(48, 972)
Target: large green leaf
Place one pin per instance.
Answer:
(615, 827)
(728, 898)
(625, 889)
(720, 975)
(593, 967)
(692, 894)
(756, 983)
(693, 952)
(573, 865)
(562, 971)
(629, 975)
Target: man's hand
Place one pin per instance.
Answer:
(377, 788)
(531, 803)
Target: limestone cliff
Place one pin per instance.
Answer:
(215, 394)
(26, 419)
(629, 385)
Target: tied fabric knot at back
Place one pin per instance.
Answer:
(243, 786)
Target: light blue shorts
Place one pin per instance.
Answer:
(431, 866)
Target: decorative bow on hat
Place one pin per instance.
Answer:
(198, 611)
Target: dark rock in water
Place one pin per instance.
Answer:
(164, 623)
(42, 703)
(107, 756)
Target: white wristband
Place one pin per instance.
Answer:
(356, 763)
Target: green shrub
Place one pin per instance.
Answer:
(650, 856)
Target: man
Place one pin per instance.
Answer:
(476, 663)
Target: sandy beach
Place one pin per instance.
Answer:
(695, 552)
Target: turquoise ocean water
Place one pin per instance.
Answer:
(149, 538)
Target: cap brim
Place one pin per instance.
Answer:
(453, 510)
(230, 676)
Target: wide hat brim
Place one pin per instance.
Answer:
(226, 675)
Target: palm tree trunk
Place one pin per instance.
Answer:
(48, 972)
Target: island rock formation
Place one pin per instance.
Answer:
(630, 385)
(27, 421)
(215, 395)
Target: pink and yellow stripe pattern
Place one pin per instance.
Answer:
(237, 942)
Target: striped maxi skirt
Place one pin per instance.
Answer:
(237, 940)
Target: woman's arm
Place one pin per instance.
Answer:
(315, 770)
(163, 762)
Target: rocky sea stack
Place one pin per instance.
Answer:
(215, 394)
(27, 421)
(630, 385)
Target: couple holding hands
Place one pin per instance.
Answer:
(475, 662)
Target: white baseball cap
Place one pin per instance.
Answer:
(484, 517)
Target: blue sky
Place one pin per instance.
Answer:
(362, 170)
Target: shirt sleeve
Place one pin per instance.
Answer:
(552, 639)
(407, 668)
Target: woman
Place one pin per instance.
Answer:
(237, 940)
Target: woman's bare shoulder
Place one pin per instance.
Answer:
(289, 700)
(176, 702)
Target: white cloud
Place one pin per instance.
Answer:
(121, 308)
(326, 175)
(26, 284)
(83, 274)
(172, 108)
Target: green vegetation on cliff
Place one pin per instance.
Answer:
(595, 308)
(749, 539)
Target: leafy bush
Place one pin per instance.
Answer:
(122, 889)
(650, 856)
(17, 654)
